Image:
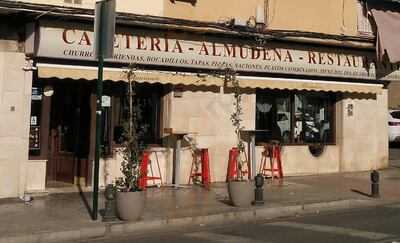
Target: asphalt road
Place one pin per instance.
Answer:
(378, 224)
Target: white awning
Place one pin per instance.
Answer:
(252, 82)
(310, 85)
(386, 15)
(119, 74)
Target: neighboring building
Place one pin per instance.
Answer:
(306, 71)
(394, 95)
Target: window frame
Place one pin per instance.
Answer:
(332, 99)
(154, 92)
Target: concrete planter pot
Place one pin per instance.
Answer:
(130, 205)
(241, 193)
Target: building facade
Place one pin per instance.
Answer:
(308, 82)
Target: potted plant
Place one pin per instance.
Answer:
(130, 199)
(240, 189)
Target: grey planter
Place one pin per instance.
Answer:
(130, 205)
(241, 193)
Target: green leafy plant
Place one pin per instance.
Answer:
(131, 149)
(236, 119)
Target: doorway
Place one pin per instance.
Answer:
(69, 137)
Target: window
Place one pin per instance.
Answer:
(273, 114)
(34, 132)
(149, 104)
(313, 118)
(295, 117)
(363, 22)
(148, 98)
(395, 114)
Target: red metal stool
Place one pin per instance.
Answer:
(233, 165)
(205, 168)
(273, 152)
(144, 164)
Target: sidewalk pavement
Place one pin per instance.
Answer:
(64, 217)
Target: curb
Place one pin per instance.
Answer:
(255, 213)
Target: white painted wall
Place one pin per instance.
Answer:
(363, 137)
(36, 175)
(14, 123)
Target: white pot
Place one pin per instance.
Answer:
(130, 205)
(241, 193)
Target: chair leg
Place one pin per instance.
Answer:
(151, 170)
(271, 164)
(262, 165)
(159, 169)
(191, 171)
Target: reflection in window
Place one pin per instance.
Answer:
(312, 118)
(294, 117)
(148, 98)
(273, 115)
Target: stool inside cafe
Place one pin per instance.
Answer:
(323, 116)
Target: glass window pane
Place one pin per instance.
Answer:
(313, 119)
(35, 121)
(284, 117)
(395, 114)
(273, 114)
(148, 98)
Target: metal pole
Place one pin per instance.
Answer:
(249, 151)
(177, 160)
(253, 155)
(99, 93)
(375, 184)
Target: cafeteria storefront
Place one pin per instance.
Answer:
(303, 94)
